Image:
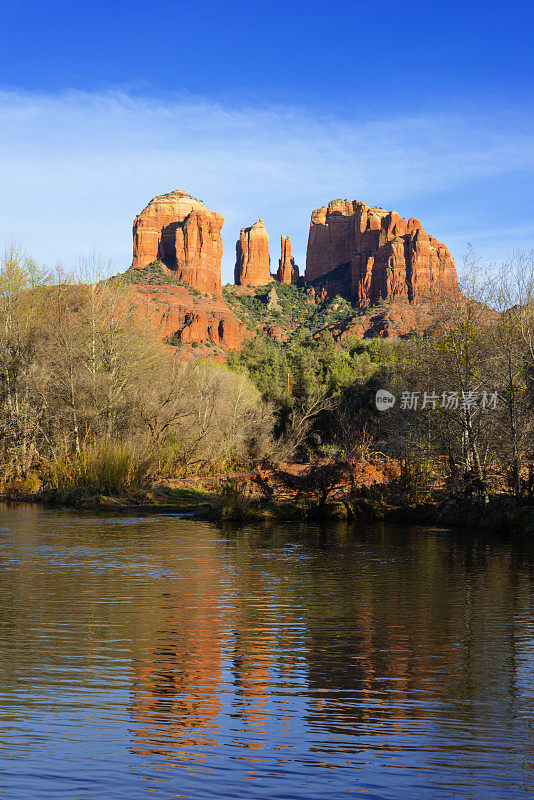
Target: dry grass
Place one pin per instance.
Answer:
(108, 466)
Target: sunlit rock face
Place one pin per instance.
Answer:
(182, 233)
(288, 272)
(371, 254)
(253, 263)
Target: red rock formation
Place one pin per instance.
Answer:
(181, 232)
(275, 333)
(374, 254)
(222, 329)
(288, 272)
(173, 313)
(253, 264)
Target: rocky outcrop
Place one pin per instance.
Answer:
(275, 333)
(182, 233)
(370, 254)
(253, 264)
(288, 272)
(221, 329)
(273, 304)
(175, 315)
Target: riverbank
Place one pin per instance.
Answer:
(502, 514)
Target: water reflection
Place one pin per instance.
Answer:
(167, 655)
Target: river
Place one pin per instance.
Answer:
(157, 657)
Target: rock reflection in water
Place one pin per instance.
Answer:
(175, 657)
(176, 698)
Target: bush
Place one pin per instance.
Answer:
(234, 499)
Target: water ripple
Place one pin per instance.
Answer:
(162, 655)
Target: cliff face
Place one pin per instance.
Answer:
(182, 233)
(288, 272)
(371, 254)
(253, 264)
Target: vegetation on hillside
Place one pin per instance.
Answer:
(292, 311)
(154, 274)
(464, 392)
(291, 372)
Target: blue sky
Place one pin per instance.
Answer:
(265, 109)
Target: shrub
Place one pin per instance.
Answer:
(234, 498)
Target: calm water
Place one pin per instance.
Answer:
(156, 657)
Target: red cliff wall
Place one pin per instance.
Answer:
(376, 254)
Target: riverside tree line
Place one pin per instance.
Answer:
(90, 397)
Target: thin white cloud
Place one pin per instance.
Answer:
(76, 168)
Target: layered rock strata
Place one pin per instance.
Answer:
(182, 233)
(370, 254)
(253, 264)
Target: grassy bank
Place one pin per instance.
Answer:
(110, 476)
(227, 502)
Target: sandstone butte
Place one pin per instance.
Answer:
(356, 250)
(253, 264)
(371, 254)
(182, 233)
(288, 272)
